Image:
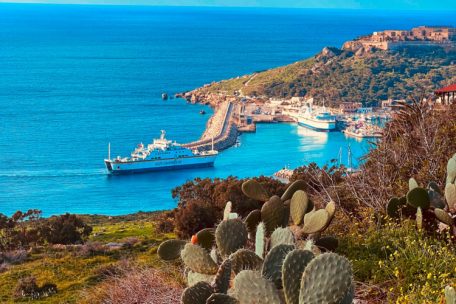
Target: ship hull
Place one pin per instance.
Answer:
(130, 167)
(324, 126)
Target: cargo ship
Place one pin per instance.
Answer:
(320, 120)
(161, 154)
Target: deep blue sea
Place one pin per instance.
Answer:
(73, 78)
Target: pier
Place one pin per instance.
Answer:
(221, 131)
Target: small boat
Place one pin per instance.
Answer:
(164, 96)
(202, 112)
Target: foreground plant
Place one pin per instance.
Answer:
(429, 206)
(261, 259)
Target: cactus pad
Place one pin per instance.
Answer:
(170, 249)
(418, 197)
(220, 298)
(272, 266)
(436, 199)
(450, 196)
(293, 267)
(298, 206)
(326, 279)
(222, 278)
(272, 214)
(286, 214)
(195, 277)
(260, 240)
(230, 235)
(254, 190)
(197, 294)
(198, 259)
(393, 208)
(251, 288)
(444, 217)
(295, 186)
(316, 221)
(227, 211)
(252, 220)
(451, 170)
(245, 259)
(205, 238)
(327, 243)
(419, 218)
(450, 295)
(282, 236)
(412, 184)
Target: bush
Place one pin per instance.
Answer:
(201, 202)
(137, 286)
(64, 229)
(407, 265)
(28, 288)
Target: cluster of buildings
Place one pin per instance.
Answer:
(418, 36)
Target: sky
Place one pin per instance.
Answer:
(348, 4)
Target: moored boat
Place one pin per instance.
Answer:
(320, 120)
(161, 154)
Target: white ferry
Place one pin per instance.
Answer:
(320, 120)
(160, 155)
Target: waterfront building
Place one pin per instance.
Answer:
(350, 107)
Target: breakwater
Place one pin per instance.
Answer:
(221, 131)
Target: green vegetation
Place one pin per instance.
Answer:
(336, 76)
(77, 270)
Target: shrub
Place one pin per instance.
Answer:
(407, 265)
(201, 202)
(64, 229)
(28, 288)
(137, 286)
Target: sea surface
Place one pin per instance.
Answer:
(73, 78)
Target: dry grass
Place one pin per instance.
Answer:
(139, 285)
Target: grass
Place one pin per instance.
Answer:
(75, 273)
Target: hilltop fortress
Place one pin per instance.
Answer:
(444, 36)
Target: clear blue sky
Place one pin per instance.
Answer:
(351, 4)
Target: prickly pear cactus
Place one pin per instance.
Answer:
(451, 170)
(198, 259)
(326, 280)
(254, 190)
(295, 186)
(413, 184)
(281, 236)
(251, 288)
(170, 249)
(252, 220)
(293, 267)
(244, 259)
(222, 278)
(205, 238)
(418, 197)
(316, 221)
(419, 218)
(298, 206)
(444, 217)
(272, 266)
(195, 277)
(260, 240)
(220, 298)
(227, 211)
(450, 295)
(230, 235)
(272, 214)
(197, 294)
(327, 243)
(450, 196)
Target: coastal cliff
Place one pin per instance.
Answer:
(367, 75)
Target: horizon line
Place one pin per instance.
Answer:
(223, 7)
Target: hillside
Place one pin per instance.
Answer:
(337, 75)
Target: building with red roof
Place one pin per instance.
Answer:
(446, 94)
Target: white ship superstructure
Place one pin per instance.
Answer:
(161, 154)
(320, 120)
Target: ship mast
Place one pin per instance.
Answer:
(349, 158)
(212, 143)
(109, 151)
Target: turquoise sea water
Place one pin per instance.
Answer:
(73, 78)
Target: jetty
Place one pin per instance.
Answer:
(221, 130)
